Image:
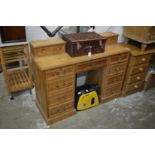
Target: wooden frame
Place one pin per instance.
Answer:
(17, 78)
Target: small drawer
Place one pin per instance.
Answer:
(61, 97)
(55, 49)
(119, 58)
(114, 79)
(90, 65)
(54, 110)
(57, 73)
(112, 90)
(138, 69)
(111, 40)
(136, 78)
(116, 69)
(134, 86)
(59, 84)
(141, 59)
(57, 91)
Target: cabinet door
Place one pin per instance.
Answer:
(12, 34)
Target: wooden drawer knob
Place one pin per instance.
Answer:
(141, 69)
(143, 59)
(135, 86)
(138, 78)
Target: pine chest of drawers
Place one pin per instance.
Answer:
(137, 70)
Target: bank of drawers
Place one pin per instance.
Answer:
(60, 85)
(114, 77)
(136, 73)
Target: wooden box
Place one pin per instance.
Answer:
(140, 33)
(82, 43)
(47, 47)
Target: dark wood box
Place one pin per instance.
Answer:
(82, 43)
(11, 34)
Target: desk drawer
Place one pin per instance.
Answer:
(119, 58)
(138, 69)
(90, 65)
(116, 69)
(114, 79)
(141, 59)
(54, 49)
(59, 84)
(61, 108)
(134, 86)
(111, 40)
(136, 78)
(112, 90)
(61, 97)
(59, 72)
(57, 91)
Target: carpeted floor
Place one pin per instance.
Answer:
(133, 111)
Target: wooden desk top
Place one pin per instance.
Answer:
(54, 61)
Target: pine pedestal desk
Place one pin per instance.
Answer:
(55, 76)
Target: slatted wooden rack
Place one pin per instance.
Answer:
(19, 77)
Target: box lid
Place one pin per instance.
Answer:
(85, 36)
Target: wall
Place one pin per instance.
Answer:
(36, 33)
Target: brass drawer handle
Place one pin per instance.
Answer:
(138, 78)
(135, 86)
(143, 59)
(141, 69)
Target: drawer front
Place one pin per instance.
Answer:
(60, 84)
(136, 78)
(59, 72)
(57, 91)
(116, 69)
(141, 59)
(61, 108)
(55, 49)
(119, 58)
(90, 65)
(114, 79)
(112, 90)
(134, 86)
(138, 69)
(61, 97)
